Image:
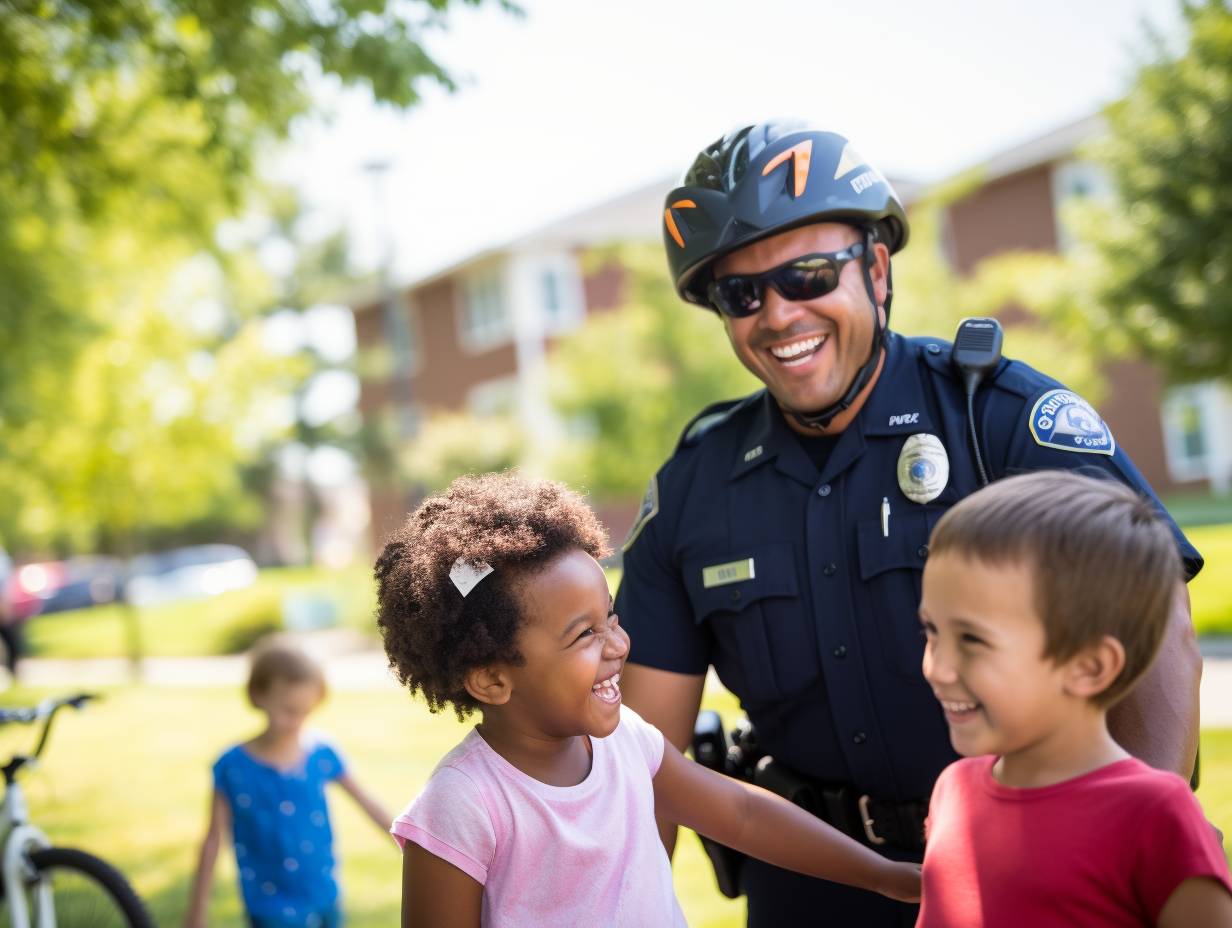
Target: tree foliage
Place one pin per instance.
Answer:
(133, 385)
(1167, 241)
(630, 379)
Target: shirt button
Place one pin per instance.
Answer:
(735, 596)
(859, 737)
(823, 490)
(933, 349)
(840, 652)
(829, 570)
(922, 550)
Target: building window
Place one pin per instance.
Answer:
(485, 317)
(560, 295)
(399, 324)
(1076, 182)
(1185, 435)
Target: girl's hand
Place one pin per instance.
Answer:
(900, 881)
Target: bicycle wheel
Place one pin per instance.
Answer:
(86, 892)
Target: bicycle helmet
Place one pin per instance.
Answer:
(763, 179)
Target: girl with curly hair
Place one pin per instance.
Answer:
(490, 598)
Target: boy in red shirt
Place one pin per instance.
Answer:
(1045, 598)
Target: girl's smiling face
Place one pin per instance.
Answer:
(573, 649)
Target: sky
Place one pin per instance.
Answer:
(579, 101)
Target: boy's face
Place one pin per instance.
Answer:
(574, 649)
(984, 659)
(288, 704)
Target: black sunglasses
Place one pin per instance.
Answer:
(804, 278)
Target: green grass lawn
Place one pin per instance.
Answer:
(1211, 591)
(128, 778)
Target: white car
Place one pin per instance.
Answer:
(188, 573)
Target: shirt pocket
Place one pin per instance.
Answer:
(763, 649)
(891, 568)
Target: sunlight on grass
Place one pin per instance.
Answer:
(128, 778)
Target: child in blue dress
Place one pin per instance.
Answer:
(269, 792)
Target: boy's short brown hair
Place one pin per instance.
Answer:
(278, 659)
(1104, 560)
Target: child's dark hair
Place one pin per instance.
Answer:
(1103, 560)
(278, 659)
(433, 634)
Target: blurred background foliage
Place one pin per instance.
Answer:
(136, 398)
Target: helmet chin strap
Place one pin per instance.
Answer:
(821, 420)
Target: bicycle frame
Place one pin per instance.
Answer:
(20, 837)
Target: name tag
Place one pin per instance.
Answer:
(731, 572)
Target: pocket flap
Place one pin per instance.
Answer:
(732, 582)
(906, 546)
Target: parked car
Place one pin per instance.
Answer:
(188, 573)
(56, 586)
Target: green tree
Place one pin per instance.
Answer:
(129, 130)
(629, 380)
(1167, 241)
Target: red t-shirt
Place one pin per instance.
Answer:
(1104, 849)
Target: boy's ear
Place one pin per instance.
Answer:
(490, 685)
(1093, 669)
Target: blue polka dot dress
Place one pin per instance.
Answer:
(284, 847)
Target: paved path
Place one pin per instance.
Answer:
(352, 664)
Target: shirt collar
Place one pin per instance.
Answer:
(896, 406)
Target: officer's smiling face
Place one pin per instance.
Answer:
(806, 353)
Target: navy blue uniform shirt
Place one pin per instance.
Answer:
(819, 636)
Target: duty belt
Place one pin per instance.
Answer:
(875, 822)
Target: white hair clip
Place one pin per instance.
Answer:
(465, 574)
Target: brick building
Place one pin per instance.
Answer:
(474, 335)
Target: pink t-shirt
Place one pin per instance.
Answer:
(1104, 849)
(553, 855)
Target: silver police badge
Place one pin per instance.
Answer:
(923, 468)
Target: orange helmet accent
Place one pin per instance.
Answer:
(800, 153)
(670, 220)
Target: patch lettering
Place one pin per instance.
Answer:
(1064, 420)
(907, 418)
(753, 453)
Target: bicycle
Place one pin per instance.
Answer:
(55, 887)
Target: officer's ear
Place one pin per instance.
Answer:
(492, 686)
(1095, 668)
(880, 272)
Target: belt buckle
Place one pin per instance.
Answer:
(867, 819)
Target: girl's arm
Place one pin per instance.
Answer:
(436, 893)
(220, 825)
(366, 801)
(766, 826)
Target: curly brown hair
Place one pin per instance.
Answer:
(433, 634)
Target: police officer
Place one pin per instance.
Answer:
(782, 543)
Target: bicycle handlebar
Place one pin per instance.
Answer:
(45, 710)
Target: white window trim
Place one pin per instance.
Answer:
(1182, 467)
(466, 336)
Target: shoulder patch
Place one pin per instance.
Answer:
(1062, 419)
(713, 416)
(647, 511)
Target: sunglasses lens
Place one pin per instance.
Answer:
(807, 279)
(736, 296)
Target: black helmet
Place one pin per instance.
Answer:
(764, 179)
